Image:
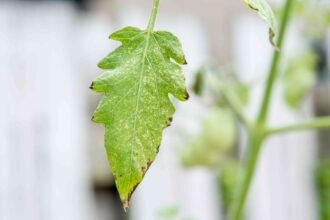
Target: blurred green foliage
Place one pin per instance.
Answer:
(214, 146)
(169, 213)
(217, 137)
(227, 179)
(314, 18)
(323, 185)
(299, 77)
(215, 142)
(172, 213)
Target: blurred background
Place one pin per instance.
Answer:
(53, 164)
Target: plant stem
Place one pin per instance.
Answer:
(153, 16)
(257, 134)
(318, 123)
(234, 103)
(245, 180)
(231, 98)
(275, 61)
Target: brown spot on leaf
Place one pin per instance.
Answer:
(186, 96)
(126, 204)
(92, 86)
(253, 8)
(184, 61)
(169, 122)
(144, 170)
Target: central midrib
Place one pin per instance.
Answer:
(138, 103)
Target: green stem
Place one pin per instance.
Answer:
(153, 16)
(231, 98)
(275, 62)
(245, 180)
(234, 103)
(258, 132)
(318, 123)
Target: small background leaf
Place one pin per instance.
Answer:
(267, 14)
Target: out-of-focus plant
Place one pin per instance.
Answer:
(228, 175)
(168, 213)
(171, 213)
(215, 146)
(142, 72)
(299, 77)
(323, 183)
(314, 17)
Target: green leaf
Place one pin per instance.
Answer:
(267, 14)
(136, 106)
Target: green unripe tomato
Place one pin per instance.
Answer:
(219, 130)
(197, 154)
(217, 137)
(298, 86)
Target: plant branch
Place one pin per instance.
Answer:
(247, 174)
(234, 102)
(153, 16)
(273, 72)
(318, 123)
(230, 97)
(257, 134)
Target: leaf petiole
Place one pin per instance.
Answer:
(153, 16)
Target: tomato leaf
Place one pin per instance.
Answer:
(267, 14)
(136, 106)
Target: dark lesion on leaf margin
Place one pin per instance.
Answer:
(92, 86)
(185, 61)
(169, 123)
(144, 170)
(253, 8)
(186, 95)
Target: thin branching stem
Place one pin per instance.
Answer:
(257, 134)
(318, 123)
(234, 103)
(273, 72)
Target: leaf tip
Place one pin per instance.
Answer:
(100, 64)
(125, 205)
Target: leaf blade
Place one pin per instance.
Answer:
(263, 9)
(136, 107)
